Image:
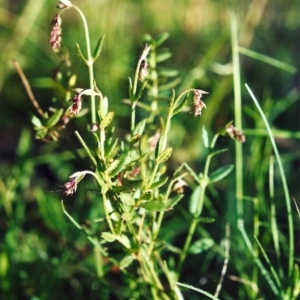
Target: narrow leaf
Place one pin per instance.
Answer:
(161, 38)
(220, 173)
(153, 206)
(98, 48)
(126, 261)
(163, 56)
(201, 246)
(194, 200)
(158, 183)
(164, 156)
(107, 120)
(54, 119)
(108, 237)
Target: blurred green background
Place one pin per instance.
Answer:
(41, 255)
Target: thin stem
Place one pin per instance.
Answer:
(186, 246)
(86, 148)
(237, 115)
(89, 62)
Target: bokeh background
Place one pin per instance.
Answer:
(41, 255)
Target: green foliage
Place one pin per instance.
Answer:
(146, 188)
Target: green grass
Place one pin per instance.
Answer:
(232, 234)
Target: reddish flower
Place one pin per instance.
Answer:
(235, 134)
(70, 186)
(55, 35)
(198, 103)
(76, 106)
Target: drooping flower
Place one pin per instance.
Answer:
(235, 133)
(198, 103)
(55, 35)
(178, 186)
(76, 106)
(70, 186)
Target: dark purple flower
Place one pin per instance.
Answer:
(76, 106)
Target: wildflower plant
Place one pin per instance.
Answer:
(131, 176)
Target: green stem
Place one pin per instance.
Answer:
(237, 115)
(86, 148)
(89, 62)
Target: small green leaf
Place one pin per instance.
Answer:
(124, 240)
(53, 120)
(167, 72)
(147, 39)
(164, 156)
(153, 206)
(172, 202)
(108, 237)
(161, 38)
(147, 196)
(107, 120)
(126, 216)
(201, 246)
(113, 165)
(194, 200)
(158, 183)
(126, 261)
(36, 121)
(220, 173)
(110, 148)
(72, 80)
(134, 139)
(205, 137)
(139, 128)
(127, 199)
(132, 184)
(170, 84)
(163, 56)
(98, 48)
(121, 162)
(180, 106)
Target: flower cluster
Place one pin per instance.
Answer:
(55, 35)
(198, 103)
(235, 134)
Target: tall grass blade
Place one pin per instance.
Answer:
(284, 183)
